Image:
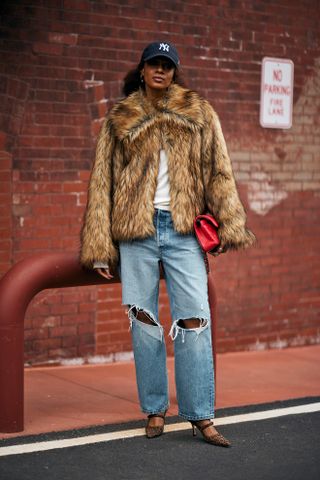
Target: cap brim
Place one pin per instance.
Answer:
(161, 55)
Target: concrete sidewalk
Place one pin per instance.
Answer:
(63, 398)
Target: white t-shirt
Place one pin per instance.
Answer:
(162, 196)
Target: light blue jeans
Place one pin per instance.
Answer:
(186, 280)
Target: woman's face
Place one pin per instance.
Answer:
(158, 73)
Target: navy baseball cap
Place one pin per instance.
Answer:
(161, 49)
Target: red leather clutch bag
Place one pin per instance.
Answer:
(206, 230)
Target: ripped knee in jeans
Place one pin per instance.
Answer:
(192, 322)
(143, 316)
(186, 325)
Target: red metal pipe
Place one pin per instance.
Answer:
(17, 288)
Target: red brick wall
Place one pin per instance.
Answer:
(61, 68)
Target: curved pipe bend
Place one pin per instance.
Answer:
(17, 288)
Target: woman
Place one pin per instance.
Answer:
(161, 160)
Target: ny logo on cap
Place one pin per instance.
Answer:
(164, 47)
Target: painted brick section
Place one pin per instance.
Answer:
(66, 39)
(57, 83)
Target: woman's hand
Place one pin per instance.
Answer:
(105, 272)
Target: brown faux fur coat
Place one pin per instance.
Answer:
(124, 175)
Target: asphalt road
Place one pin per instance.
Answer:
(282, 448)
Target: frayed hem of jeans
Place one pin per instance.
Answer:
(152, 412)
(210, 416)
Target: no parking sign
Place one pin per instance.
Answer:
(276, 93)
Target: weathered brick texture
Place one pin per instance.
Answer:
(61, 68)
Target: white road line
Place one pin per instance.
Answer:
(107, 437)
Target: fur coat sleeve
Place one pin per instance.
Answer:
(96, 239)
(221, 193)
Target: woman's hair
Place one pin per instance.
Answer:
(132, 81)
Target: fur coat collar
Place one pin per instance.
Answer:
(177, 106)
(124, 175)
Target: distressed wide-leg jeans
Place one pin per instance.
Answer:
(186, 281)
